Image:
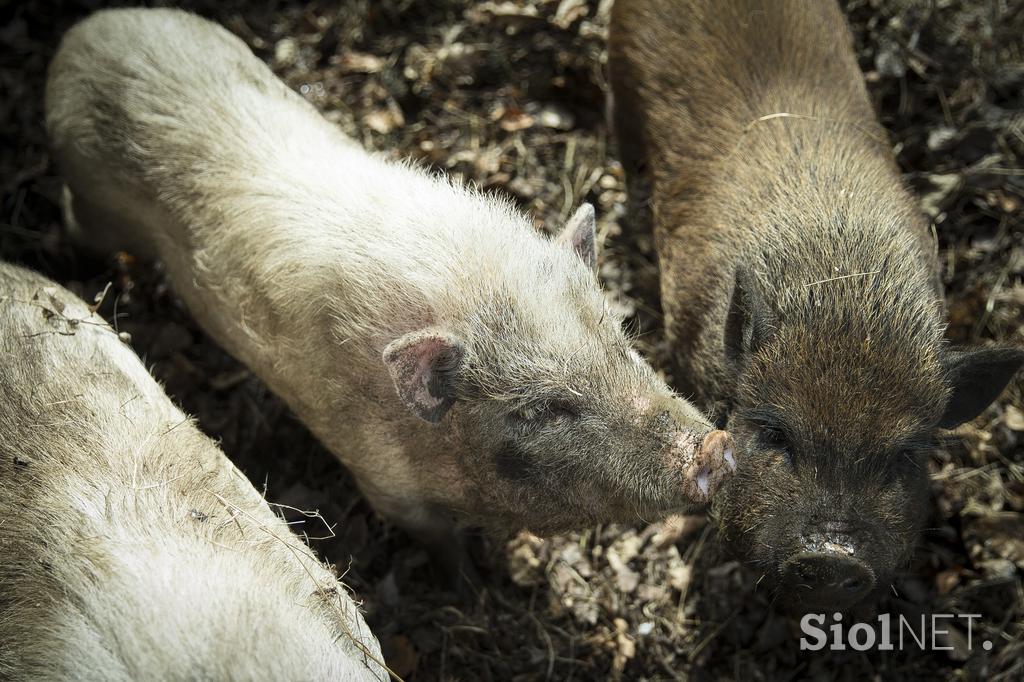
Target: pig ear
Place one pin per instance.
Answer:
(581, 234)
(746, 324)
(977, 378)
(425, 366)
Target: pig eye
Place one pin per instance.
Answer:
(546, 412)
(526, 414)
(560, 410)
(776, 439)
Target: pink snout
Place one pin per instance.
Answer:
(709, 466)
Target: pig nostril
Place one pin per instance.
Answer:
(704, 480)
(828, 578)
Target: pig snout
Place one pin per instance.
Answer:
(827, 572)
(708, 465)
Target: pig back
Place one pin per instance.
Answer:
(177, 143)
(130, 547)
(163, 102)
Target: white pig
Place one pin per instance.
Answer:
(130, 547)
(464, 367)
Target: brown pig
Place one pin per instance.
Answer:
(130, 547)
(464, 367)
(799, 281)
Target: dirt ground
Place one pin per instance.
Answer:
(510, 95)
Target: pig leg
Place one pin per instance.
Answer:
(633, 155)
(439, 534)
(449, 553)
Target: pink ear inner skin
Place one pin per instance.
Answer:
(414, 367)
(421, 373)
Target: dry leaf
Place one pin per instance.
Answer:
(1014, 418)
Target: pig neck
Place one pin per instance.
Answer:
(811, 206)
(825, 205)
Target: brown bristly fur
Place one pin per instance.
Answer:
(799, 278)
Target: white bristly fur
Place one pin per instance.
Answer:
(306, 256)
(130, 547)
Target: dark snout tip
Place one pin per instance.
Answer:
(827, 579)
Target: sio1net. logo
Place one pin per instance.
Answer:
(887, 634)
